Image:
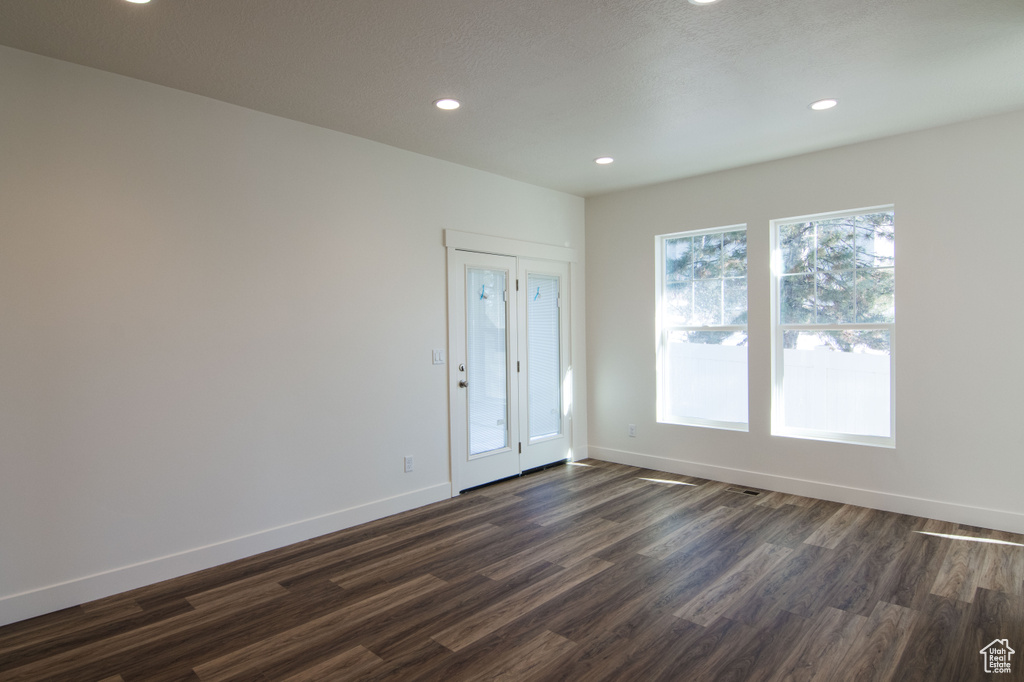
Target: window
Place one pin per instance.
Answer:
(702, 328)
(833, 324)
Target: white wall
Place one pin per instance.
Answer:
(216, 328)
(959, 245)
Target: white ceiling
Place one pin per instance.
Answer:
(668, 88)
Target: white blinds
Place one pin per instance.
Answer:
(544, 375)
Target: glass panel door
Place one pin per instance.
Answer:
(545, 389)
(483, 390)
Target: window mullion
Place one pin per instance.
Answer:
(838, 326)
(814, 274)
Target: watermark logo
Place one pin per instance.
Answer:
(997, 656)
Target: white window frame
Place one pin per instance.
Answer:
(662, 332)
(779, 427)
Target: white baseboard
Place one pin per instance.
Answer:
(16, 607)
(915, 506)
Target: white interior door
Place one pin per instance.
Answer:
(485, 429)
(545, 393)
(509, 382)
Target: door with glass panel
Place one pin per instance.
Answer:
(485, 428)
(544, 381)
(509, 373)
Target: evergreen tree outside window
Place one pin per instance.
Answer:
(702, 328)
(834, 323)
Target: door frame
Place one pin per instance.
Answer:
(465, 241)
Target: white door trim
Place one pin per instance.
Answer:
(482, 243)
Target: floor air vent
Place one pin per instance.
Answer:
(743, 491)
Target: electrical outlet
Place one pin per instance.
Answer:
(632, 430)
(408, 464)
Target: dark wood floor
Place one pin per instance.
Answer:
(575, 573)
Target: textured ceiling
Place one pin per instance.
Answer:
(668, 88)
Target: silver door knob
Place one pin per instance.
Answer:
(463, 383)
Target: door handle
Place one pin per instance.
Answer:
(463, 383)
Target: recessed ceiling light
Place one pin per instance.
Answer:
(823, 104)
(447, 104)
(702, 2)
(603, 160)
(139, 2)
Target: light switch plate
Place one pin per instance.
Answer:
(438, 357)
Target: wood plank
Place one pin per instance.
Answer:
(243, 597)
(315, 632)
(960, 571)
(874, 572)
(934, 637)
(645, 653)
(782, 588)
(67, 629)
(775, 499)
(116, 606)
(991, 616)
(646, 536)
(612, 599)
(819, 580)
(414, 558)
(733, 585)
(501, 613)
(818, 653)
(696, 526)
(389, 637)
(93, 651)
(411, 663)
(799, 522)
(756, 658)
(838, 526)
(711, 648)
(349, 665)
(293, 570)
(585, 503)
(529, 661)
(655, 593)
(997, 615)
(875, 653)
(916, 571)
(1001, 568)
(173, 658)
(557, 548)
